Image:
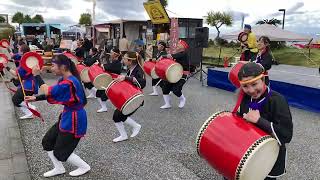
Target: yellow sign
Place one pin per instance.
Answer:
(156, 12)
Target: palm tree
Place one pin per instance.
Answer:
(272, 21)
(217, 19)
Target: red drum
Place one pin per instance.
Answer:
(4, 43)
(149, 68)
(84, 72)
(73, 58)
(125, 96)
(233, 74)
(98, 77)
(30, 60)
(235, 148)
(3, 60)
(169, 70)
(243, 37)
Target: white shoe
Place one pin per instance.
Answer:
(166, 99)
(136, 127)
(104, 109)
(154, 94)
(27, 116)
(123, 134)
(92, 93)
(58, 166)
(182, 101)
(103, 105)
(83, 167)
(155, 91)
(27, 113)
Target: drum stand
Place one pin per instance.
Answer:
(201, 71)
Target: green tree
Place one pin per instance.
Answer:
(85, 19)
(27, 19)
(18, 17)
(37, 19)
(217, 19)
(2, 19)
(272, 21)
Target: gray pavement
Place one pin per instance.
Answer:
(13, 163)
(165, 148)
(303, 76)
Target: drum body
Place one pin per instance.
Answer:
(233, 74)
(149, 68)
(98, 77)
(169, 70)
(243, 37)
(3, 60)
(83, 72)
(125, 96)
(235, 148)
(72, 57)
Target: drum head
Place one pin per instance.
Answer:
(243, 37)
(4, 43)
(84, 75)
(102, 81)
(259, 159)
(132, 104)
(3, 58)
(31, 59)
(174, 73)
(154, 74)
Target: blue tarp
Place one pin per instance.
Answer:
(302, 97)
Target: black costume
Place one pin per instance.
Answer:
(138, 74)
(275, 119)
(176, 88)
(265, 59)
(159, 55)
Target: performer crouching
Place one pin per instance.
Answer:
(89, 61)
(161, 52)
(63, 137)
(266, 109)
(182, 58)
(136, 76)
(30, 87)
(113, 67)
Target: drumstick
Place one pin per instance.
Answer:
(24, 93)
(158, 83)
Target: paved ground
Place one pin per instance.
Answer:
(165, 148)
(303, 76)
(13, 163)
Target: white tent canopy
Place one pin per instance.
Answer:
(271, 31)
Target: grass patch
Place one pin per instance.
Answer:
(288, 55)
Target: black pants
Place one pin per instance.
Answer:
(155, 81)
(176, 88)
(61, 143)
(119, 117)
(102, 95)
(249, 56)
(18, 97)
(88, 85)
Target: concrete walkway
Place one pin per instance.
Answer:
(13, 163)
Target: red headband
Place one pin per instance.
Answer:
(184, 44)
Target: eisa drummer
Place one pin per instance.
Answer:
(136, 76)
(265, 108)
(182, 58)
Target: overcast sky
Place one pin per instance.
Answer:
(301, 16)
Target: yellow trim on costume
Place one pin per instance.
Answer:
(252, 80)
